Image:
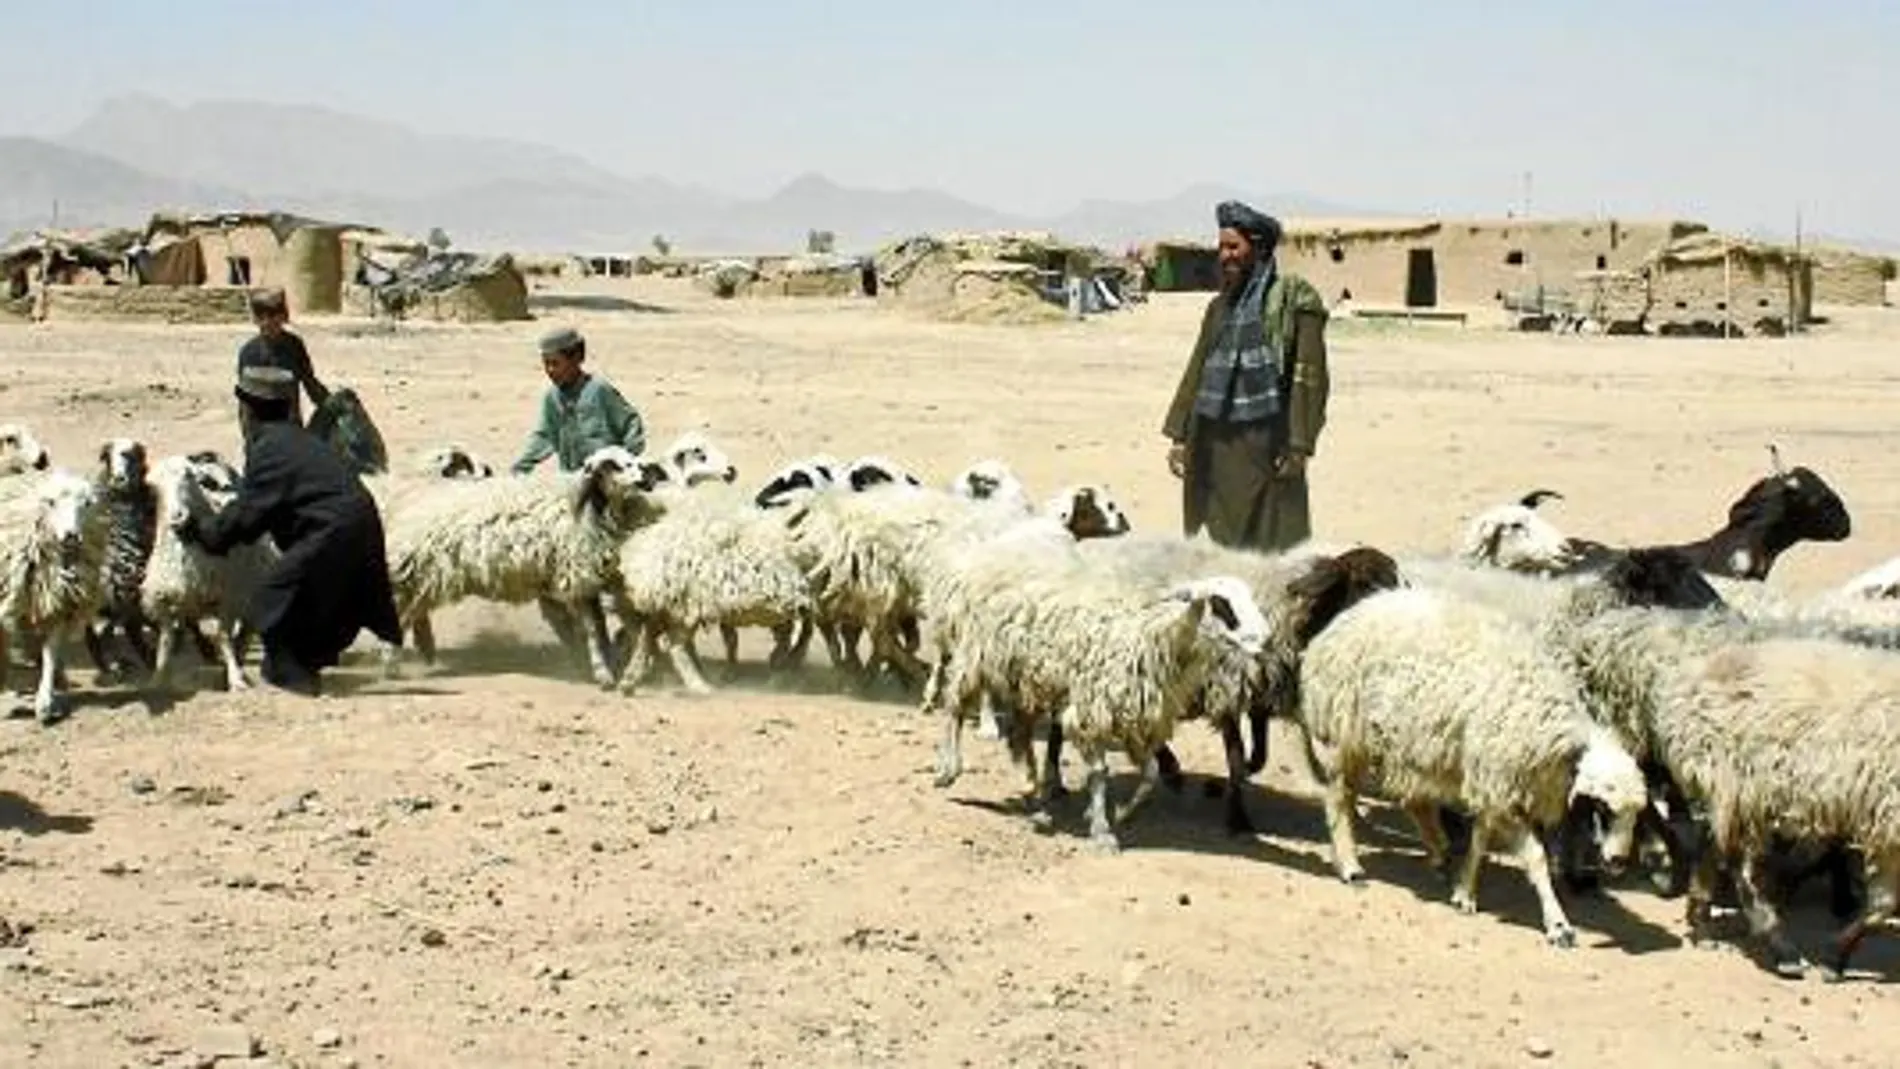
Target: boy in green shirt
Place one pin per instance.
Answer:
(580, 413)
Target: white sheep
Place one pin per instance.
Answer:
(544, 539)
(133, 509)
(1240, 688)
(1879, 582)
(1117, 661)
(1432, 700)
(1797, 737)
(1515, 538)
(52, 569)
(451, 460)
(696, 459)
(714, 559)
(20, 451)
(183, 583)
(990, 480)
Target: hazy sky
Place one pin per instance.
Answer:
(1732, 112)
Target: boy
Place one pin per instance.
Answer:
(580, 412)
(276, 346)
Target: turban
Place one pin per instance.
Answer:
(1261, 229)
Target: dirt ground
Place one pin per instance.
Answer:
(496, 864)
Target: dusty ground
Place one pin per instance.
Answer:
(495, 864)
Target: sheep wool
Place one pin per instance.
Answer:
(53, 536)
(1431, 700)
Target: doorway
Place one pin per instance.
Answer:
(1421, 279)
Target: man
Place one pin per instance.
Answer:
(332, 578)
(276, 346)
(1247, 415)
(580, 412)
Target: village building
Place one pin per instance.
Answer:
(1848, 277)
(1432, 263)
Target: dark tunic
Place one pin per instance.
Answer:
(332, 579)
(285, 351)
(1230, 486)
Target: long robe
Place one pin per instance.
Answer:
(1230, 486)
(332, 577)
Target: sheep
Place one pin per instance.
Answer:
(1118, 659)
(868, 471)
(990, 480)
(451, 461)
(713, 558)
(20, 451)
(133, 509)
(1434, 700)
(1250, 688)
(53, 535)
(1788, 735)
(1876, 583)
(696, 459)
(550, 540)
(1788, 506)
(183, 583)
(1007, 609)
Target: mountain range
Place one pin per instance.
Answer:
(138, 154)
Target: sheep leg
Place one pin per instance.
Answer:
(678, 644)
(1465, 895)
(801, 641)
(950, 749)
(207, 651)
(1337, 796)
(640, 656)
(1144, 788)
(235, 680)
(1238, 822)
(781, 657)
(48, 704)
(1883, 896)
(1558, 931)
(848, 635)
(1764, 921)
(1650, 822)
(594, 620)
(1257, 723)
(108, 668)
(1432, 833)
(161, 677)
(1101, 830)
(1052, 788)
(987, 726)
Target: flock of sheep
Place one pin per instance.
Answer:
(1563, 699)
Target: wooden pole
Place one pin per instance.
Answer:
(1794, 320)
(1728, 287)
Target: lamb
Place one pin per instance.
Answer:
(1776, 512)
(1796, 736)
(53, 534)
(133, 510)
(183, 583)
(20, 451)
(1119, 659)
(1434, 700)
(517, 540)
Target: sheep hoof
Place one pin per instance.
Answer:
(1105, 843)
(1562, 936)
(1832, 974)
(1464, 903)
(987, 729)
(52, 709)
(1042, 821)
(1791, 969)
(1355, 879)
(945, 777)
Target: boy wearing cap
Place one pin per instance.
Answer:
(331, 576)
(580, 412)
(276, 346)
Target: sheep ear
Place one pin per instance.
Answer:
(1223, 610)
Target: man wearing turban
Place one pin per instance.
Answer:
(1247, 415)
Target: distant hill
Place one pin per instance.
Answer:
(39, 178)
(136, 154)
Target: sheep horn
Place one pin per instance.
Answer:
(1538, 497)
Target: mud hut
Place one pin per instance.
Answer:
(1849, 277)
(1714, 284)
(818, 275)
(306, 257)
(964, 276)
